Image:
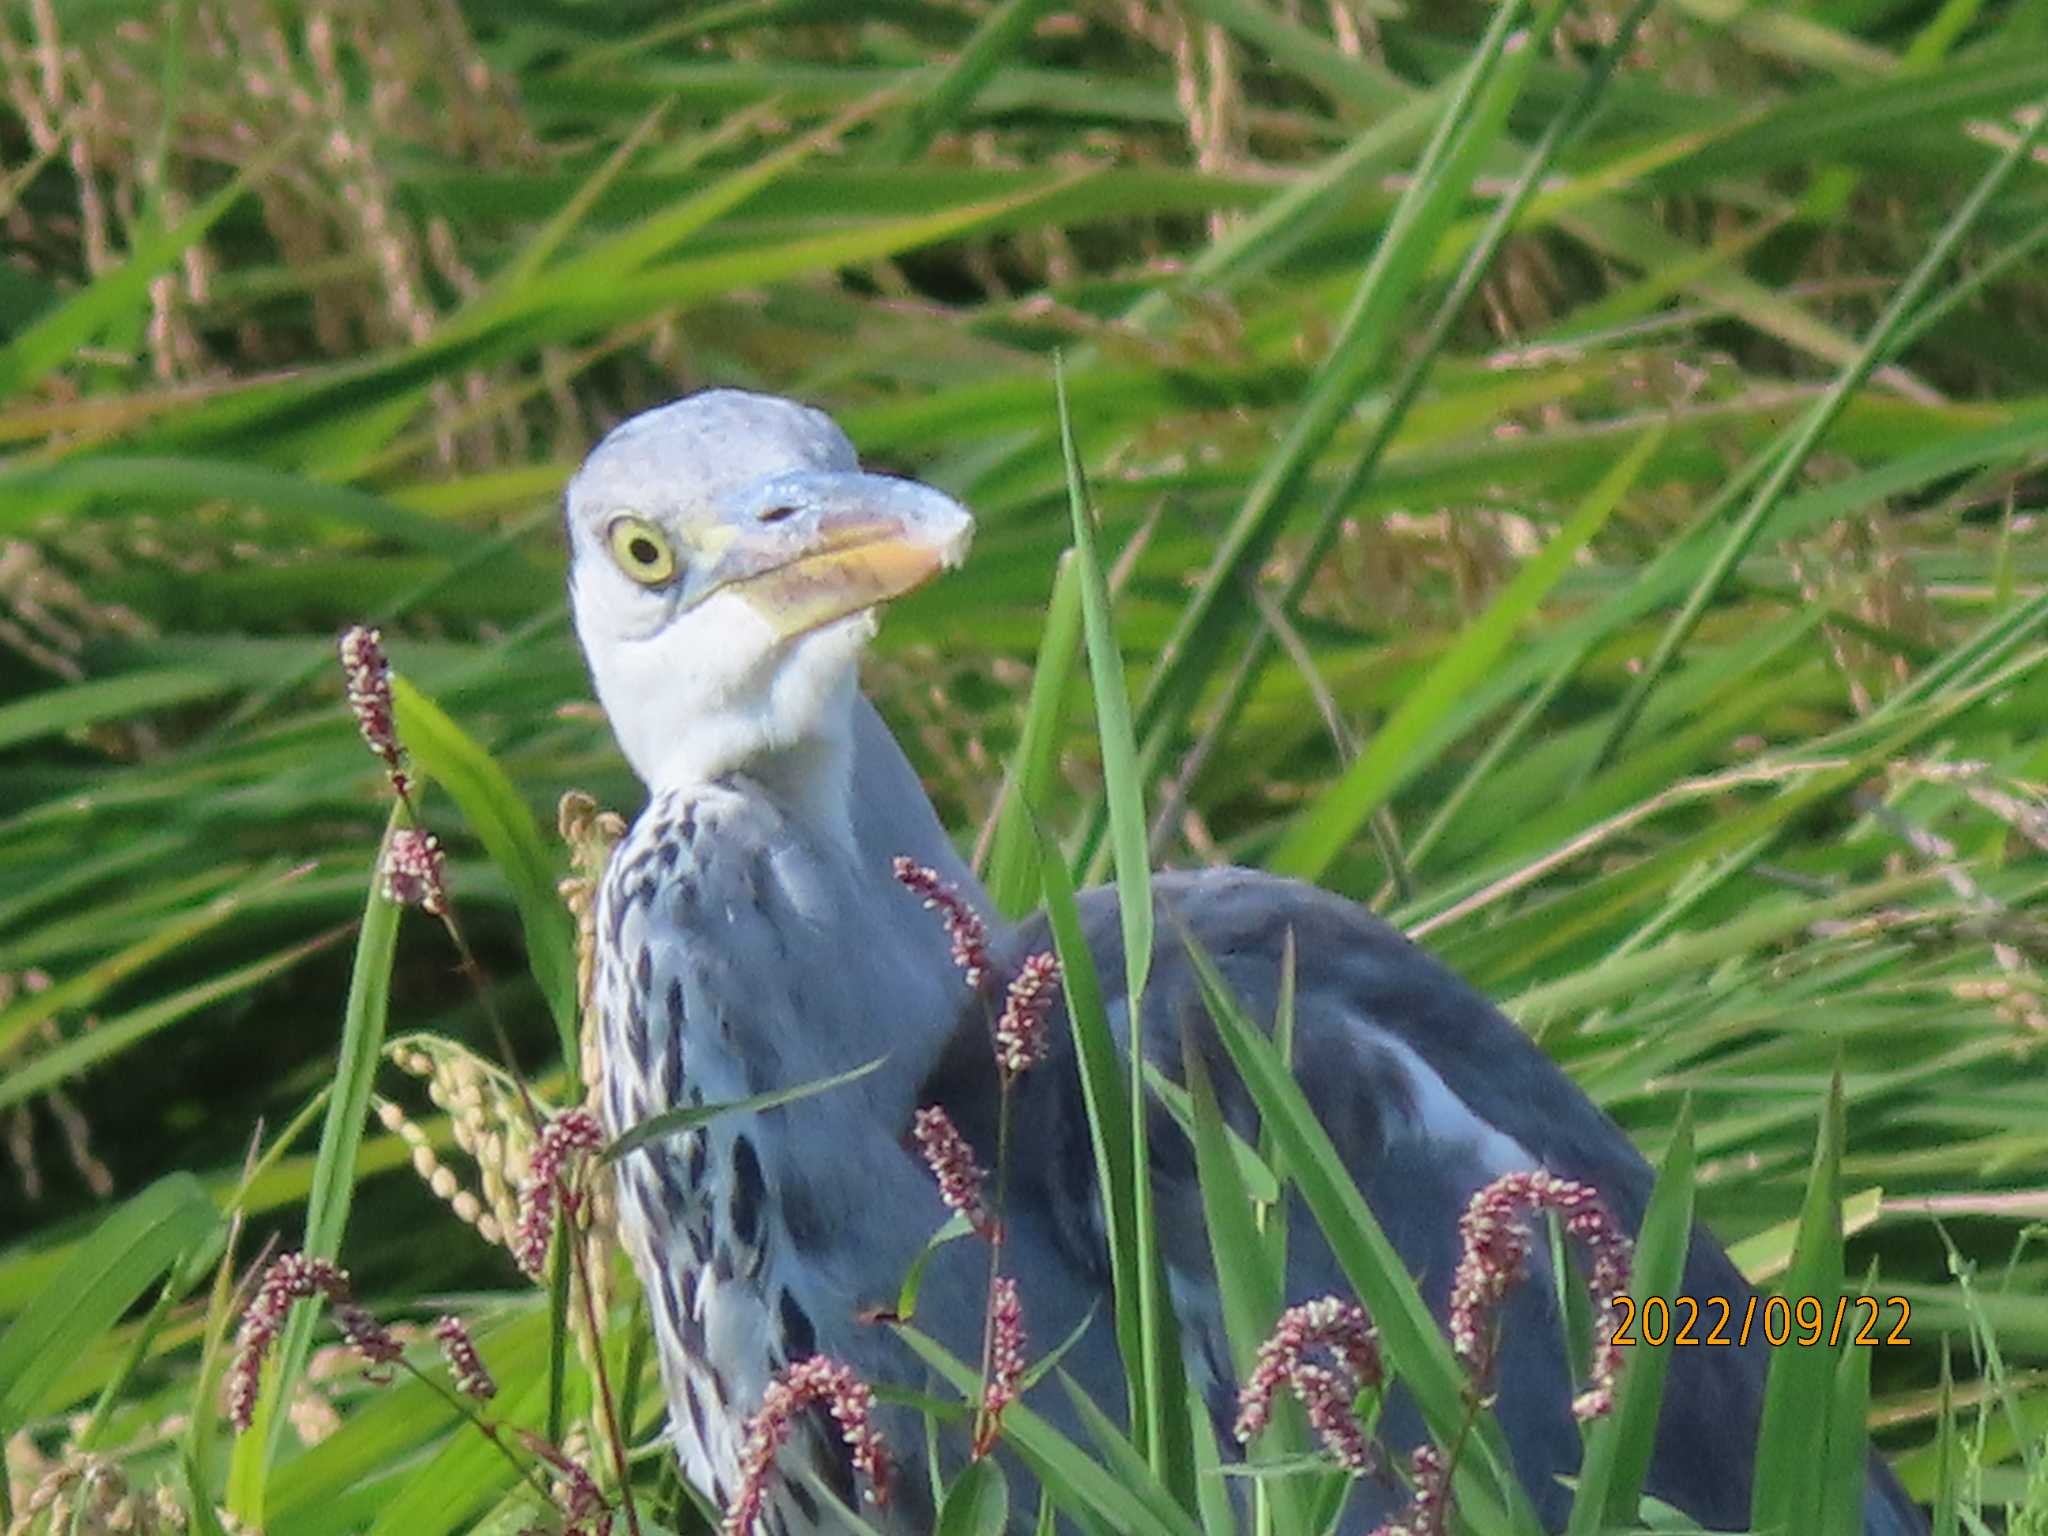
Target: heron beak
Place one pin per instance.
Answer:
(840, 544)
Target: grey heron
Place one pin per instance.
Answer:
(728, 559)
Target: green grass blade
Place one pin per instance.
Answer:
(492, 807)
(89, 985)
(1846, 1471)
(673, 1122)
(1013, 876)
(1075, 1480)
(1415, 1347)
(1160, 1421)
(1251, 1288)
(1104, 1090)
(106, 1275)
(940, 106)
(192, 482)
(1948, 1452)
(1122, 784)
(1250, 1291)
(1617, 1455)
(55, 336)
(56, 711)
(1792, 1442)
(1320, 834)
(1877, 347)
(114, 1035)
(1470, 120)
(334, 1169)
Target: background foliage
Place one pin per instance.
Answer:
(1717, 778)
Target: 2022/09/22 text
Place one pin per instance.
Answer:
(1796, 1320)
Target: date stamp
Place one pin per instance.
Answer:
(1802, 1321)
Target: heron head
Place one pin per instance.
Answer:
(727, 554)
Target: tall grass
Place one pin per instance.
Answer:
(1591, 514)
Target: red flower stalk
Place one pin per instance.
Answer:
(368, 677)
(563, 1141)
(818, 1379)
(1496, 1232)
(295, 1277)
(952, 1163)
(1020, 1031)
(415, 875)
(1006, 1361)
(1429, 1496)
(578, 1499)
(472, 1377)
(964, 927)
(1344, 1333)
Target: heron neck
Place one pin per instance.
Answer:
(893, 815)
(850, 786)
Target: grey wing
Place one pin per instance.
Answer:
(1429, 1093)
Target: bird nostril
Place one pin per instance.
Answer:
(776, 514)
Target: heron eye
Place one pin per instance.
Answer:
(642, 550)
(776, 514)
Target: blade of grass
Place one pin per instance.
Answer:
(1846, 1472)
(1617, 1455)
(1320, 833)
(673, 1122)
(113, 1035)
(56, 336)
(1160, 1423)
(56, 711)
(1401, 400)
(1013, 877)
(1075, 1478)
(108, 1274)
(492, 807)
(1792, 1440)
(1877, 348)
(1104, 1091)
(1251, 1289)
(1471, 119)
(192, 481)
(88, 986)
(1123, 787)
(955, 85)
(1486, 1486)
(333, 1190)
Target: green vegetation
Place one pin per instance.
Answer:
(1571, 479)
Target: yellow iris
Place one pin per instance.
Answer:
(642, 550)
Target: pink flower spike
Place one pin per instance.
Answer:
(295, 1277)
(952, 1163)
(818, 1379)
(472, 1377)
(1429, 1496)
(578, 1499)
(564, 1140)
(1020, 1031)
(362, 1332)
(1006, 1361)
(367, 675)
(1344, 1332)
(964, 927)
(415, 874)
(1497, 1241)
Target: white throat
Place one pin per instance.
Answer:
(787, 724)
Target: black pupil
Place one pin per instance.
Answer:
(645, 551)
(777, 514)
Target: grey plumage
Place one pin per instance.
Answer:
(751, 937)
